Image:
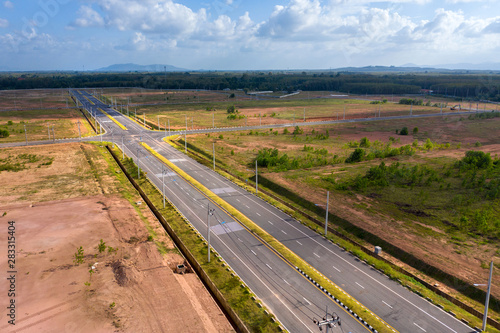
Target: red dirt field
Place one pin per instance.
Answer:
(51, 295)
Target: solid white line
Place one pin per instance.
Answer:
(419, 327)
(360, 285)
(306, 301)
(335, 268)
(387, 304)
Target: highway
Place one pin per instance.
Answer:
(291, 297)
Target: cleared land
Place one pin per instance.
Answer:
(423, 218)
(40, 124)
(66, 196)
(33, 99)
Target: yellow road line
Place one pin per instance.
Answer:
(115, 121)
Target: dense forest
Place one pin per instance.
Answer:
(463, 86)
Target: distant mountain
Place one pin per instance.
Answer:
(140, 68)
(385, 69)
(412, 68)
(487, 66)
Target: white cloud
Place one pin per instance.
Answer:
(4, 23)
(8, 4)
(88, 17)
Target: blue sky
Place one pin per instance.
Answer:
(243, 34)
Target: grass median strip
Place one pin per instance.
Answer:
(114, 120)
(291, 257)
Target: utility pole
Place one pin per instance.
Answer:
(48, 131)
(185, 143)
(411, 109)
(486, 304)
(123, 150)
(213, 119)
(326, 217)
(186, 121)
(163, 185)
(26, 135)
(210, 213)
(144, 119)
(100, 131)
(168, 126)
(158, 122)
(138, 167)
(344, 112)
(53, 134)
(79, 132)
(304, 114)
(256, 179)
(213, 147)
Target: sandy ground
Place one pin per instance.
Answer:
(133, 289)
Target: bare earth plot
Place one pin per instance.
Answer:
(75, 201)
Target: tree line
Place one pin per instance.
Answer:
(462, 86)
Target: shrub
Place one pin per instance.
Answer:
(364, 142)
(428, 144)
(221, 136)
(298, 130)
(478, 144)
(404, 131)
(231, 109)
(475, 160)
(286, 131)
(356, 156)
(4, 133)
(415, 130)
(10, 123)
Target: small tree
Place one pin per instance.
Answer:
(364, 142)
(415, 130)
(231, 109)
(102, 246)
(4, 133)
(404, 131)
(285, 131)
(298, 130)
(79, 256)
(356, 156)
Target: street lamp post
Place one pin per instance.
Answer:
(326, 216)
(138, 166)
(123, 150)
(256, 179)
(210, 213)
(26, 135)
(487, 302)
(213, 149)
(163, 185)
